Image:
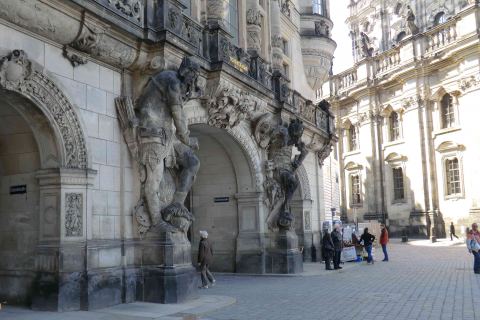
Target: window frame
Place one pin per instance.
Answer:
(395, 188)
(353, 138)
(458, 182)
(235, 35)
(394, 132)
(447, 112)
(354, 202)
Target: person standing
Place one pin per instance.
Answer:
(205, 256)
(452, 232)
(383, 241)
(337, 246)
(327, 249)
(367, 240)
(473, 246)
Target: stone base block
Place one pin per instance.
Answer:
(286, 262)
(250, 262)
(168, 284)
(58, 292)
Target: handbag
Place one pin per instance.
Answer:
(474, 245)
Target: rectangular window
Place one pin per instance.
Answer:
(448, 111)
(319, 7)
(394, 127)
(398, 190)
(232, 20)
(188, 3)
(352, 138)
(453, 177)
(285, 47)
(355, 182)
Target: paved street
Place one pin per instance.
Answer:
(420, 282)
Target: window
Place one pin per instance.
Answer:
(448, 111)
(394, 126)
(285, 47)
(232, 19)
(453, 177)
(355, 183)
(440, 18)
(319, 7)
(352, 138)
(401, 36)
(285, 70)
(188, 4)
(398, 191)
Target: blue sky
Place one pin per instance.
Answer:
(343, 54)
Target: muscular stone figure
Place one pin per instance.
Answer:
(280, 153)
(157, 145)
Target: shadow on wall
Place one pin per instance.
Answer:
(403, 214)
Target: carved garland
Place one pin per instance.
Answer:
(17, 74)
(304, 183)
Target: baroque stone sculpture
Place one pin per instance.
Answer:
(411, 21)
(165, 156)
(281, 181)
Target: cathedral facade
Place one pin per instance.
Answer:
(127, 126)
(406, 115)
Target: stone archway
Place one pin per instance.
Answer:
(240, 243)
(61, 179)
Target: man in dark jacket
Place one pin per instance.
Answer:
(452, 232)
(327, 249)
(337, 245)
(205, 256)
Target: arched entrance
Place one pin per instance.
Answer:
(19, 202)
(224, 200)
(45, 177)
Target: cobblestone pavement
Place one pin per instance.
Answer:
(419, 282)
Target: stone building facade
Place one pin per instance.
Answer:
(73, 236)
(406, 115)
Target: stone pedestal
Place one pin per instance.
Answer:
(167, 274)
(284, 255)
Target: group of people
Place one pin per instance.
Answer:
(332, 246)
(473, 246)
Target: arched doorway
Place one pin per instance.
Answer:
(44, 180)
(218, 203)
(19, 204)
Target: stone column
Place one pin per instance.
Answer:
(254, 29)
(277, 59)
(61, 283)
(217, 13)
(250, 252)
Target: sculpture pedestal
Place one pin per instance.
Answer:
(284, 255)
(167, 274)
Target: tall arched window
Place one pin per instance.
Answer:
(319, 7)
(453, 177)
(440, 18)
(447, 111)
(232, 19)
(352, 138)
(394, 126)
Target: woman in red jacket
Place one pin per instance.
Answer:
(384, 241)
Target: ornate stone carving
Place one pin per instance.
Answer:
(19, 74)
(129, 8)
(322, 29)
(304, 182)
(173, 18)
(281, 181)
(254, 17)
(231, 105)
(165, 157)
(73, 214)
(86, 42)
(469, 82)
(285, 8)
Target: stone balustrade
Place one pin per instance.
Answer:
(347, 78)
(441, 36)
(388, 60)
